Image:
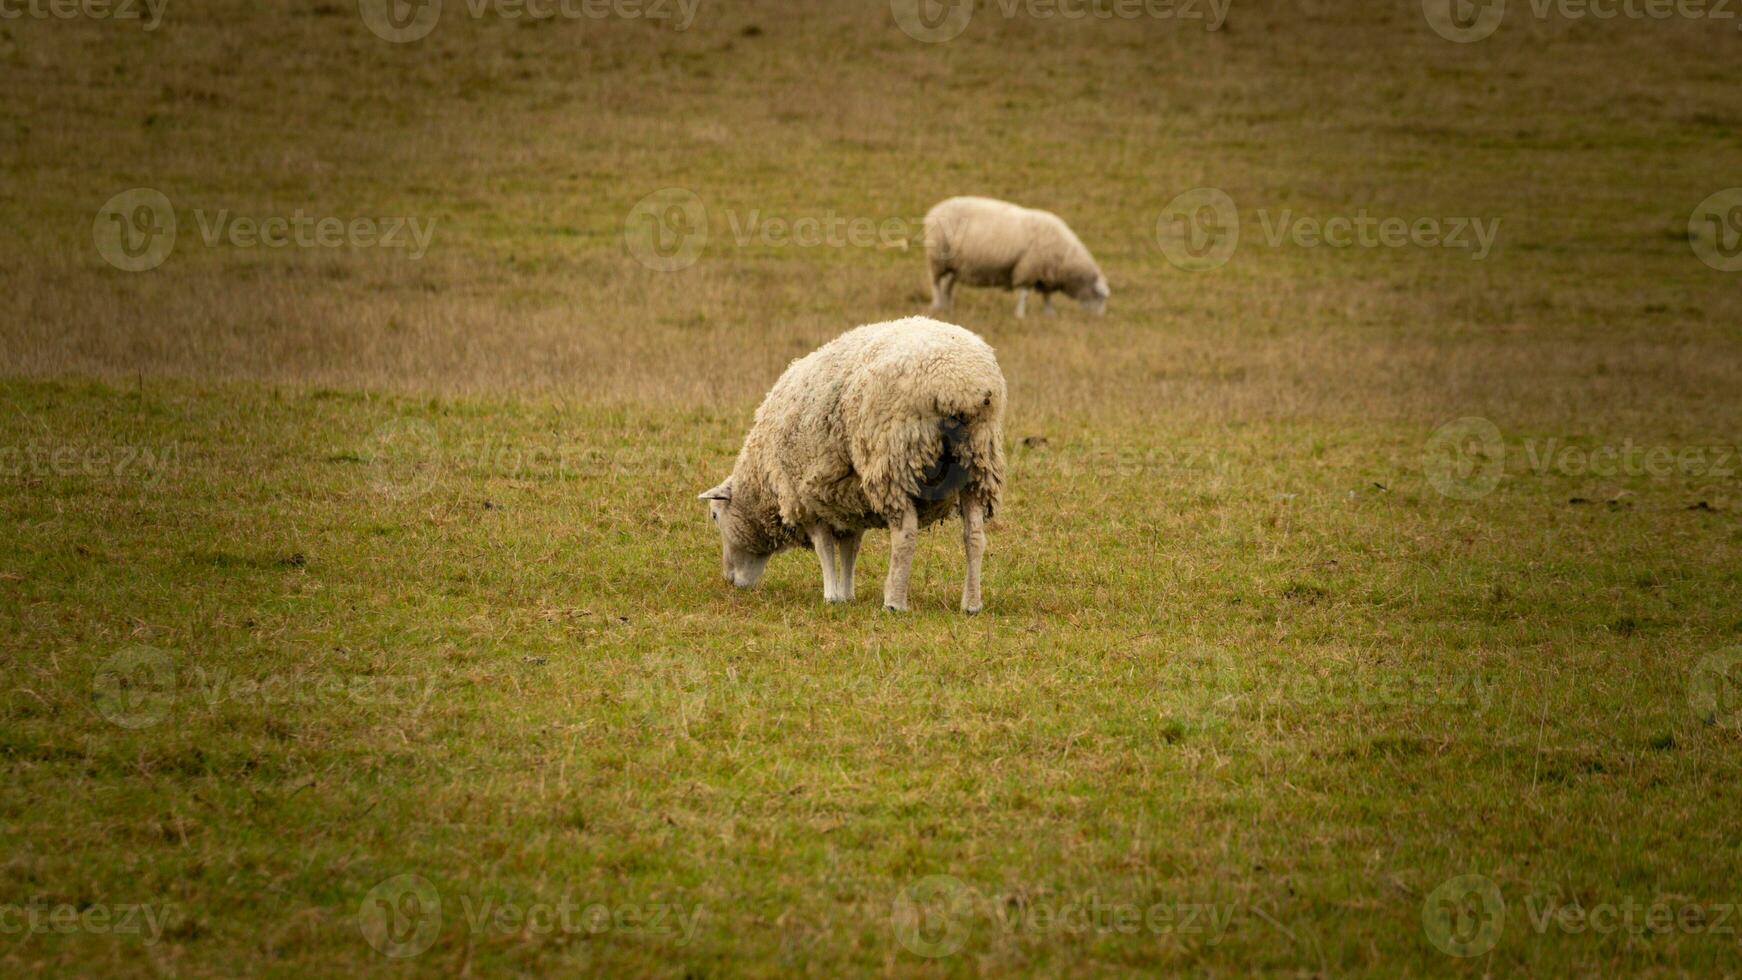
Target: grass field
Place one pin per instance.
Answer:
(1368, 610)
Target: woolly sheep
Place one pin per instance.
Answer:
(977, 241)
(890, 425)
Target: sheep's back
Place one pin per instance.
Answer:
(912, 378)
(848, 431)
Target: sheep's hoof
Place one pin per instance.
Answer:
(971, 610)
(834, 600)
(894, 609)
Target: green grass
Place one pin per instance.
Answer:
(1242, 677)
(394, 568)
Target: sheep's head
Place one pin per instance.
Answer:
(742, 566)
(1093, 296)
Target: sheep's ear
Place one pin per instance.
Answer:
(721, 492)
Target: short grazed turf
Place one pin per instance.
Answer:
(356, 612)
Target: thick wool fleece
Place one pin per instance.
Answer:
(993, 243)
(848, 433)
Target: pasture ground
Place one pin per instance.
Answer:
(356, 604)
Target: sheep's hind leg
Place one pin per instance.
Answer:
(903, 535)
(1021, 303)
(942, 286)
(823, 540)
(849, 548)
(974, 546)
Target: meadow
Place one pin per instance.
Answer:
(1370, 609)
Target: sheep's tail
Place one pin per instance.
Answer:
(979, 450)
(946, 475)
(953, 445)
(942, 238)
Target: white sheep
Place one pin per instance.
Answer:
(889, 425)
(977, 241)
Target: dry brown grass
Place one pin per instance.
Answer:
(528, 145)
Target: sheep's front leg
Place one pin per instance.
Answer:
(903, 535)
(1021, 303)
(849, 547)
(823, 540)
(974, 545)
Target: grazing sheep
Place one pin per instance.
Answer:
(891, 425)
(976, 241)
